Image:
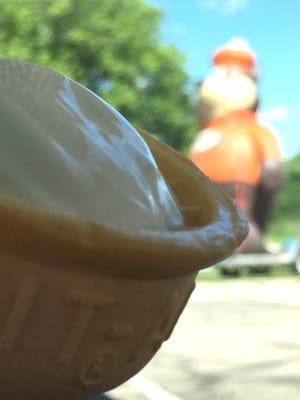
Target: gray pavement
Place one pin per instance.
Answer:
(237, 340)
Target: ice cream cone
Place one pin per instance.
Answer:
(85, 305)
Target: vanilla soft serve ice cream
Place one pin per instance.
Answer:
(65, 150)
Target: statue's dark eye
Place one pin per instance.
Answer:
(199, 84)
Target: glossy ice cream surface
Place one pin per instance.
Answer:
(66, 150)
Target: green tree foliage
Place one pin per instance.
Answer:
(286, 216)
(111, 46)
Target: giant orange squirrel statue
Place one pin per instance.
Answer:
(233, 147)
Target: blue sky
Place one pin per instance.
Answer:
(272, 28)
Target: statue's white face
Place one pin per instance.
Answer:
(64, 149)
(225, 91)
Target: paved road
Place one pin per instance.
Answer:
(237, 340)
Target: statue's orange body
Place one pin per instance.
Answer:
(232, 148)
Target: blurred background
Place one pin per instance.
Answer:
(145, 57)
(239, 336)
